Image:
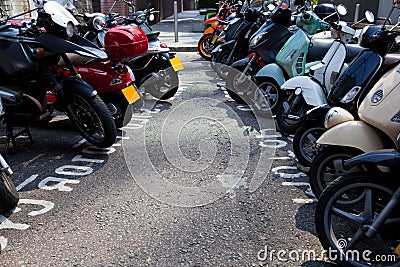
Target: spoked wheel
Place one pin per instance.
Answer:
(305, 145)
(205, 47)
(342, 230)
(329, 165)
(266, 97)
(8, 194)
(166, 84)
(93, 120)
(289, 113)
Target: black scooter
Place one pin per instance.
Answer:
(28, 70)
(360, 212)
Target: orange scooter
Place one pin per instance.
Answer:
(217, 25)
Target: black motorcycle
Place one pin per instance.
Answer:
(28, 70)
(358, 215)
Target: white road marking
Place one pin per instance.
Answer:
(80, 158)
(74, 170)
(280, 171)
(47, 206)
(61, 186)
(98, 151)
(304, 200)
(27, 181)
(7, 224)
(3, 242)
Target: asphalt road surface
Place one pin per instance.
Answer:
(194, 181)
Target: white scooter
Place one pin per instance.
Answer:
(305, 92)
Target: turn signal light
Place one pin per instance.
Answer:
(39, 51)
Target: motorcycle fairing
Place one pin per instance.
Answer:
(386, 158)
(312, 92)
(273, 71)
(317, 114)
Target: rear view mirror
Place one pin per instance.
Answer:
(370, 16)
(240, 3)
(151, 17)
(342, 10)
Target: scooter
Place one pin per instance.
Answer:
(348, 92)
(238, 47)
(8, 194)
(304, 92)
(290, 62)
(29, 70)
(376, 128)
(363, 209)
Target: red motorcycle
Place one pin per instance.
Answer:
(115, 82)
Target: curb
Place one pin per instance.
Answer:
(183, 48)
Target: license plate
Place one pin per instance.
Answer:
(176, 64)
(131, 94)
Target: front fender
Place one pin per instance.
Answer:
(74, 85)
(387, 158)
(273, 71)
(240, 63)
(317, 114)
(312, 92)
(208, 30)
(356, 134)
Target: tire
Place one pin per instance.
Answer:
(266, 97)
(205, 47)
(8, 194)
(305, 142)
(234, 88)
(354, 186)
(124, 111)
(323, 165)
(166, 86)
(285, 124)
(93, 120)
(221, 64)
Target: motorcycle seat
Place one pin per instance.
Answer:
(76, 60)
(319, 48)
(391, 59)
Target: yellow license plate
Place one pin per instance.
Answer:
(176, 64)
(131, 94)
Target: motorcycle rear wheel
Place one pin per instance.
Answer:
(93, 120)
(337, 226)
(8, 194)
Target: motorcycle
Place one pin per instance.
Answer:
(360, 212)
(29, 70)
(217, 24)
(375, 129)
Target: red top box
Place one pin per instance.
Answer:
(125, 42)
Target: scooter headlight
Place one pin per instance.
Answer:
(70, 29)
(351, 95)
(99, 23)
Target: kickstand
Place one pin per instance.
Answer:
(11, 137)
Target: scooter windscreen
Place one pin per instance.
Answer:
(59, 14)
(353, 84)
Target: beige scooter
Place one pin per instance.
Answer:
(346, 137)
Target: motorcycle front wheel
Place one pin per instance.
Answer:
(8, 194)
(266, 97)
(289, 121)
(93, 120)
(341, 229)
(205, 47)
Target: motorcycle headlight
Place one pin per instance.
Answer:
(351, 95)
(99, 23)
(256, 39)
(337, 116)
(70, 29)
(140, 19)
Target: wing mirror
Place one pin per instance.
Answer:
(342, 10)
(370, 16)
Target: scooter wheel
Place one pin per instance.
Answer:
(8, 194)
(166, 86)
(205, 47)
(266, 97)
(305, 142)
(285, 123)
(333, 230)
